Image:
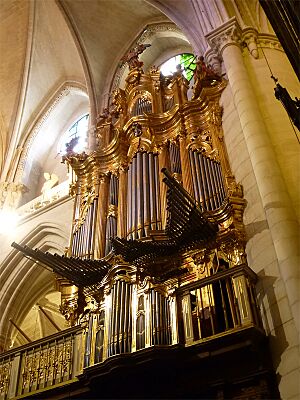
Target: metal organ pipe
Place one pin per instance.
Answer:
(195, 177)
(207, 180)
(143, 195)
(211, 190)
(146, 191)
(152, 192)
(129, 202)
(111, 226)
(140, 196)
(157, 192)
(119, 332)
(215, 184)
(83, 237)
(175, 158)
(160, 315)
(134, 192)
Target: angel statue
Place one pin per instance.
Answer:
(132, 58)
(50, 181)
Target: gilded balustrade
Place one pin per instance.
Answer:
(43, 364)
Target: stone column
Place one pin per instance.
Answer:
(277, 205)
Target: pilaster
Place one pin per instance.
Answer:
(227, 41)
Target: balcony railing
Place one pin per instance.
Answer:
(132, 320)
(218, 304)
(53, 195)
(42, 364)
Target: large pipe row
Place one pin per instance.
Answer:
(141, 106)
(111, 232)
(111, 224)
(83, 237)
(119, 332)
(160, 319)
(175, 162)
(143, 195)
(207, 181)
(113, 190)
(169, 103)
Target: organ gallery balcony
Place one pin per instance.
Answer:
(139, 334)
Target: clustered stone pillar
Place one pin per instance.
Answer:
(277, 205)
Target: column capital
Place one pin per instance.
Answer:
(10, 194)
(228, 34)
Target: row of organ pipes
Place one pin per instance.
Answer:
(131, 318)
(144, 203)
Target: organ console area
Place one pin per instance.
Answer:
(157, 248)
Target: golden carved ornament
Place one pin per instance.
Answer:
(112, 211)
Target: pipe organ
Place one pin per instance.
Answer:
(151, 226)
(157, 244)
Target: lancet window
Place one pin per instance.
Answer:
(187, 64)
(75, 137)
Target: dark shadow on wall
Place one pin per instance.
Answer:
(274, 329)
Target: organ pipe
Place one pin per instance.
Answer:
(143, 195)
(146, 191)
(122, 203)
(119, 332)
(111, 225)
(175, 164)
(160, 318)
(185, 165)
(207, 180)
(82, 243)
(100, 238)
(163, 160)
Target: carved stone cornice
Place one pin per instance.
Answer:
(266, 40)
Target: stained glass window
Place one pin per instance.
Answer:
(187, 62)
